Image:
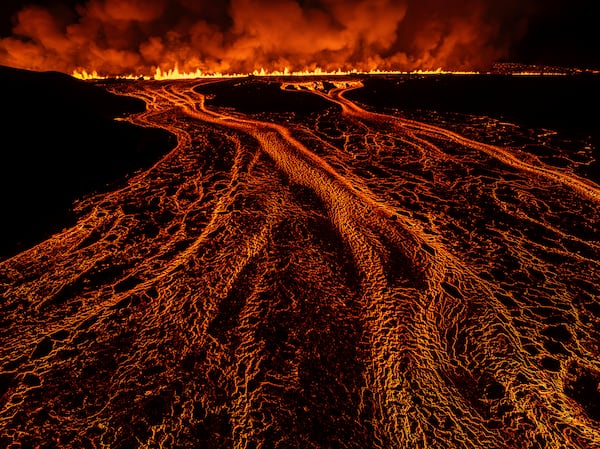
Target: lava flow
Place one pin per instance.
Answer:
(336, 276)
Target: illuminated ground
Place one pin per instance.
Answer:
(306, 271)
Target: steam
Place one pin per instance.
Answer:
(240, 36)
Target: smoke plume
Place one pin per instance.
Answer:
(240, 36)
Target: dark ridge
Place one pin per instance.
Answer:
(28, 90)
(60, 143)
(253, 95)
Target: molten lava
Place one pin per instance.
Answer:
(317, 274)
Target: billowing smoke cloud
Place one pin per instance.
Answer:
(240, 36)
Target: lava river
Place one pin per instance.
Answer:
(344, 278)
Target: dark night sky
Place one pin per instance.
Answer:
(565, 33)
(555, 32)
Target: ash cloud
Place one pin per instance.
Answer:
(240, 36)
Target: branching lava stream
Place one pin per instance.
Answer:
(344, 278)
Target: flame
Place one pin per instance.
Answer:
(175, 73)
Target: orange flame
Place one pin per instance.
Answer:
(175, 73)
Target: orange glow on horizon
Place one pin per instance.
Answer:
(163, 39)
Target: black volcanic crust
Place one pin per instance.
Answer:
(568, 103)
(255, 95)
(59, 143)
